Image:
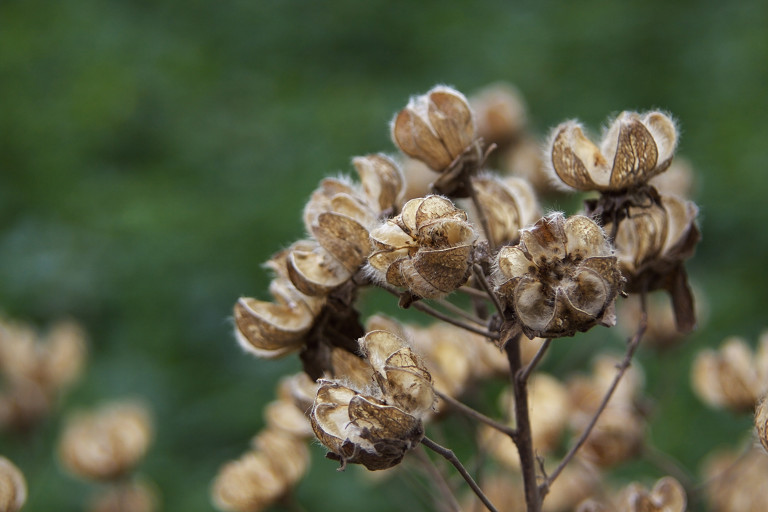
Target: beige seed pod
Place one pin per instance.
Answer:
(736, 482)
(509, 204)
(284, 415)
(106, 443)
(561, 278)
(667, 495)
(499, 113)
(298, 389)
(287, 454)
(382, 181)
(134, 496)
(728, 377)
(312, 269)
(761, 422)
(435, 128)
(13, 487)
(249, 484)
(426, 248)
(65, 353)
(635, 148)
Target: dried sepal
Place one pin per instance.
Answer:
(13, 486)
(634, 149)
(561, 278)
(426, 248)
(106, 443)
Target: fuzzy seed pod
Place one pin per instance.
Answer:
(362, 429)
(635, 148)
(425, 249)
(382, 182)
(435, 128)
(13, 487)
(509, 204)
(107, 443)
(761, 422)
(561, 278)
(667, 495)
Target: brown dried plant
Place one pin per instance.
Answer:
(373, 391)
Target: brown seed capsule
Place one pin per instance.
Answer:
(13, 487)
(248, 484)
(667, 495)
(635, 148)
(508, 204)
(561, 278)
(435, 128)
(426, 248)
(107, 443)
(500, 113)
(287, 454)
(362, 429)
(382, 182)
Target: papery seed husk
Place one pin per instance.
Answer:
(544, 241)
(669, 495)
(378, 346)
(584, 238)
(636, 155)
(286, 416)
(576, 160)
(315, 273)
(444, 269)
(287, 455)
(247, 484)
(346, 239)
(416, 139)
(382, 180)
(13, 486)
(513, 262)
(451, 118)
(269, 326)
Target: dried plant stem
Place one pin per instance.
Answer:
(445, 491)
(453, 308)
(632, 345)
(526, 372)
(429, 310)
(523, 437)
(448, 455)
(472, 413)
(480, 276)
(473, 292)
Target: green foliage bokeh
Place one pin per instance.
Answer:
(154, 154)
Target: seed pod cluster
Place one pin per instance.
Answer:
(37, 370)
(620, 430)
(13, 487)
(107, 443)
(561, 278)
(733, 377)
(635, 148)
(426, 249)
(376, 429)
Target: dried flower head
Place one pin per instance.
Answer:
(426, 249)
(509, 204)
(561, 278)
(13, 487)
(667, 495)
(635, 148)
(732, 377)
(107, 443)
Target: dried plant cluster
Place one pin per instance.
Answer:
(435, 223)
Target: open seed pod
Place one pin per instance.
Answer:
(509, 204)
(635, 148)
(667, 495)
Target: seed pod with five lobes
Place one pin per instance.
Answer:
(635, 148)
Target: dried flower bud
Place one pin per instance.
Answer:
(135, 496)
(401, 374)
(435, 128)
(426, 248)
(13, 487)
(761, 422)
(561, 278)
(107, 443)
(635, 148)
(730, 377)
(500, 113)
(248, 484)
(509, 204)
(362, 429)
(667, 495)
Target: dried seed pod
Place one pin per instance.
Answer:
(248, 484)
(509, 204)
(728, 378)
(107, 443)
(561, 278)
(284, 415)
(287, 454)
(362, 429)
(736, 482)
(312, 269)
(65, 354)
(299, 389)
(499, 113)
(134, 496)
(426, 248)
(401, 374)
(667, 495)
(436, 127)
(382, 182)
(13, 487)
(635, 148)
(761, 422)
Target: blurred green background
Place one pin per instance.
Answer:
(154, 153)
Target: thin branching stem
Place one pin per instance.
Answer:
(448, 455)
(445, 490)
(632, 345)
(670, 466)
(526, 372)
(480, 276)
(475, 414)
(453, 308)
(473, 292)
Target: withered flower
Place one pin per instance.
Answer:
(561, 278)
(438, 129)
(667, 495)
(376, 431)
(107, 443)
(509, 204)
(426, 249)
(13, 487)
(732, 377)
(635, 148)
